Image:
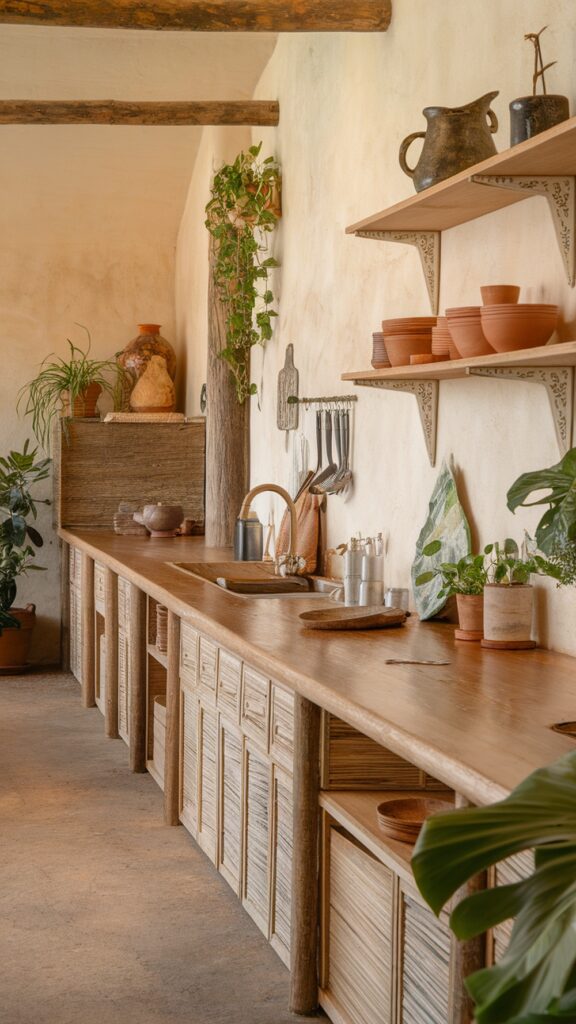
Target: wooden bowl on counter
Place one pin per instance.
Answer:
(403, 818)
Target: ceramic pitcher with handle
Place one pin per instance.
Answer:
(455, 139)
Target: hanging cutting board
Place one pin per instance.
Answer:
(287, 412)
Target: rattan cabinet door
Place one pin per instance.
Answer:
(189, 760)
(208, 781)
(424, 962)
(256, 867)
(230, 817)
(281, 867)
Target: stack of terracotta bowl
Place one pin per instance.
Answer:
(466, 330)
(441, 339)
(408, 336)
(511, 326)
(379, 357)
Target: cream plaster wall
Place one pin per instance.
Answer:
(346, 103)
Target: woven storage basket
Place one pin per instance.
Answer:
(161, 627)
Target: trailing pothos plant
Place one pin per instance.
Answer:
(19, 471)
(534, 982)
(244, 208)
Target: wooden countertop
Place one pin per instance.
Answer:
(480, 724)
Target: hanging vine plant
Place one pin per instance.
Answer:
(244, 208)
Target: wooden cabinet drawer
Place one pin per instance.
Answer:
(229, 683)
(123, 603)
(188, 655)
(423, 962)
(282, 726)
(255, 705)
(207, 666)
(357, 934)
(99, 586)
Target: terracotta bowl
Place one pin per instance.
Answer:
(452, 350)
(379, 356)
(497, 293)
(460, 312)
(401, 346)
(508, 334)
(409, 325)
(424, 357)
(440, 343)
(469, 337)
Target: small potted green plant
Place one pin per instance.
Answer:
(466, 580)
(509, 595)
(19, 472)
(68, 388)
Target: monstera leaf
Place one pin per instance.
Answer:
(535, 980)
(558, 525)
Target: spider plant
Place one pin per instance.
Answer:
(61, 382)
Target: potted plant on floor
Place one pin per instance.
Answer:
(466, 579)
(19, 472)
(68, 388)
(509, 595)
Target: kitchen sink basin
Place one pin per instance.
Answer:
(256, 579)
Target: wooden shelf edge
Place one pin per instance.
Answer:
(559, 354)
(441, 205)
(158, 656)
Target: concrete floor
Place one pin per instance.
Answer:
(106, 915)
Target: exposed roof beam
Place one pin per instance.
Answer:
(204, 15)
(237, 112)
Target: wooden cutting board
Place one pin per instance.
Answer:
(287, 412)
(372, 617)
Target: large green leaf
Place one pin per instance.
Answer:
(558, 524)
(535, 977)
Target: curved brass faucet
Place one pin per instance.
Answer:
(290, 564)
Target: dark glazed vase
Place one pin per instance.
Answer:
(530, 115)
(455, 139)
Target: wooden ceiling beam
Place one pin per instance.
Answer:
(117, 112)
(204, 15)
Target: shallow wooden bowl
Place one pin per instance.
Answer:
(403, 818)
(369, 617)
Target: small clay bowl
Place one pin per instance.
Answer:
(498, 293)
(469, 338)
(412, 324)
(509, 334)
(401, 346)
(452, 350)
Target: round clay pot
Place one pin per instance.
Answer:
(499, 293)
(15, 643)
(400, 347)
(508, 331)
(409, 325)
(161, 520)
(154, 391)
(149, 342)
(84, 405)
(470, 617)
(468, 336)
(508, 614)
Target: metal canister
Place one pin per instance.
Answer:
(248, 539)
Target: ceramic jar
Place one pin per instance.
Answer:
(530, 115)
(149, 342)
(154, 390)
(161, 520)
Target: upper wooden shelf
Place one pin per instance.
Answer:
(562, 354)
(458, 199)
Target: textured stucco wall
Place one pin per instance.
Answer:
(346, 103)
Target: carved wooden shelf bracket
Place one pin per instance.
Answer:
(426, 394)
(560, 193)
(559, 384)
(428, 244)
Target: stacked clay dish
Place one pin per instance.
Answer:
(380, 359)
(512, 326)
(407, 336)
(441, 339)
(465, 327)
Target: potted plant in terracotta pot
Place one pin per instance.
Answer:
(19, 472)
(68, 388)
(509, 595)
(466, 580)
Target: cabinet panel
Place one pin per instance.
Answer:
(281, 867)
(101, 673)
(123, 685)
(229, 682)
(255, 706)
(207, 666)
(156, 768)
(510, 871)
(256, 873)
(123, 603)
(188, 655)
(230, 819)
(189, 761)
(358, 934)
(76, 631)
(424, 981)
(208, 781)
(99, 587)
(282, 726)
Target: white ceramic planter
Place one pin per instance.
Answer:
(508, 614)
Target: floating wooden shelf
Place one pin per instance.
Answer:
(544, 165)
(552, 366)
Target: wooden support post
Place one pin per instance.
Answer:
(65, 606)
(176, 113)
(465, 957)
(138, 681)
(205, 15)
(304, 938)
(111, 630)
(172, 748)
(227, 433)
(88, 633)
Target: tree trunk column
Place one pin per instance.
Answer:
(227, 433)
